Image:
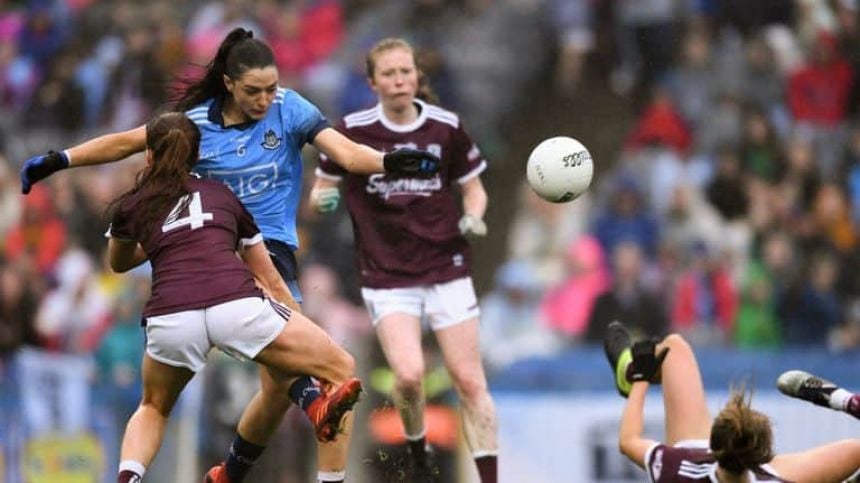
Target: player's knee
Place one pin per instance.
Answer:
(675, 342)
(409, 380)
(471, 388)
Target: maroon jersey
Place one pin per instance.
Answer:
(405, 228)
(192, 253)
(668, 464)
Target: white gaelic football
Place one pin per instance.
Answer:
(560, 169)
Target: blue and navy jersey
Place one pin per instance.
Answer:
(261, 161)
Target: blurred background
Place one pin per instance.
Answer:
(725, 206)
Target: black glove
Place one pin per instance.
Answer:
(40, 167)
(646, 364)
(411, 162)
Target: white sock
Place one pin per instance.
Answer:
(133, 466)
(839, 399)
(416, 437)
(323, 476)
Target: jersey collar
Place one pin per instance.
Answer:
(418, 122)
(216, 117)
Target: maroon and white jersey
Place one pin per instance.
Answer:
(194, 264)
(406, 228)
(677, 464)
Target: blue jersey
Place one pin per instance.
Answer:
(261, 161)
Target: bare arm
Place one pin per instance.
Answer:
(474, 198)
(630, 440)
(829, 462)
(125, 254)
(256, 257)
(108, 148)
(353, 157)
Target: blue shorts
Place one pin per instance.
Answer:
(284, 258)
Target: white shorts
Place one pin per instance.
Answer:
(240, 328)
(443, 304)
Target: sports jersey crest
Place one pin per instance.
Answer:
(271, 140)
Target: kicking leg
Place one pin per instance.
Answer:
(830, 462)
(687, 414)
(162, 385)
(460, 348)
(818, 391)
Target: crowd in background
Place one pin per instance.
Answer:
(728, 211)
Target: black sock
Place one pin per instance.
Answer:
(304, 391)
(242, 456)
(418, 449)
(128, 476)
(487, 468)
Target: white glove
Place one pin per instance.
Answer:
(325, 200)
(471, 226)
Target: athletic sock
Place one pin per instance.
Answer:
(331, 476)
(417, 448)
(242, 456)
(304, 391)
(130, 472)
(488, 465)
(852, 407)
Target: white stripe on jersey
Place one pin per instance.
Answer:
(361, 118)
(441, 115)
(693, 470)
(471, 174)
(198, 110)
(246, 242)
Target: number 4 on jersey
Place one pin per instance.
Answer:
(195, 217)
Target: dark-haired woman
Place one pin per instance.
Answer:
(203, 296)
(735, 447)
(252, 132)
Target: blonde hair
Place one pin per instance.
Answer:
(425, 91)
(741, 437)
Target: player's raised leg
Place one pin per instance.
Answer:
(459, 344)
(818, 391)
(301, 347)
(162, 385)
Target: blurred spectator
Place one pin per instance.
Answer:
(693, 82)
(727, 189)
(39, 234)
(627, 299)
(573, 22)
(627, 218)
(690, 219)
(760, 151)
(58, 102)
(69, 321)
(510, 327)
(757, 325)
(660, 124)
(818, 98)
(761, 83)
(46, 28)
(541, 232)
(817, 309)
(344, 321)
(831, 219)
(567, 307)
(17, 308)
(10, 200)
(850, 172)
(704, 300)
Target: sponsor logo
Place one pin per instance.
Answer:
(271, 140)
(247, 182)
(386, 188)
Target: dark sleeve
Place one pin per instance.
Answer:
(121, 223)
(464, 156)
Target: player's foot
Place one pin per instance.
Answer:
(616, 345)
(327, 411)
(216, 474)
(423, 468)
(804, 385)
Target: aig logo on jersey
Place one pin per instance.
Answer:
(271, 140)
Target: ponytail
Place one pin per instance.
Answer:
(173, 142)
(741, 437)
(238, 52)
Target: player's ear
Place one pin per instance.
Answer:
(149, 158)
(228, 83)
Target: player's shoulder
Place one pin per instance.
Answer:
(440, 114)
(199, 114)
(364, 117)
